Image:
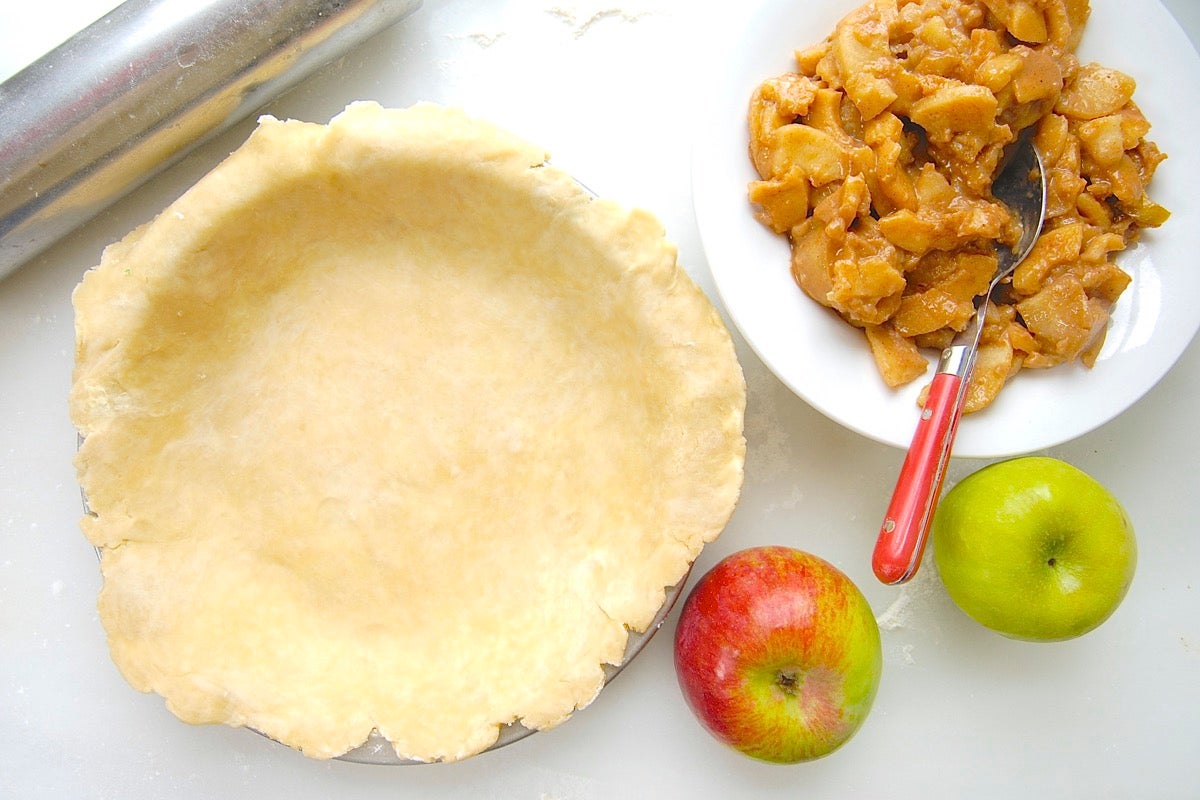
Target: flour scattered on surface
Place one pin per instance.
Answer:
(788, 504)
(915, 600)
(554, 785)
(483, 38)
(772, 454)
(581, 18)
(793, 500)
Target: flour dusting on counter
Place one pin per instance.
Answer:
(483, 38)
(915, 600)
(581, 17)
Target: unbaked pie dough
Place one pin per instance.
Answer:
(390, 426)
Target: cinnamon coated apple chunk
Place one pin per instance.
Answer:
(876, 157)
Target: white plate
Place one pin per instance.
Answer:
(826, 362)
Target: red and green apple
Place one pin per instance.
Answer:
(778, 654)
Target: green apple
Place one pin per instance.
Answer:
(778, 654)
(1034, 548)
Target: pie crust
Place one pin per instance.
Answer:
(389, 425)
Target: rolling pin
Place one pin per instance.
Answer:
(139, 88)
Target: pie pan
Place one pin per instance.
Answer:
(377, 750)
(393, 434)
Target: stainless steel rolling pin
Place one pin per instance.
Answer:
(136, 90)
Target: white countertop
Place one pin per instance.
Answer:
(608, 90)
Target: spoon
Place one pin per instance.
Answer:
(1020, 185)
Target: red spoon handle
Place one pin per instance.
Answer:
(906, 524)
